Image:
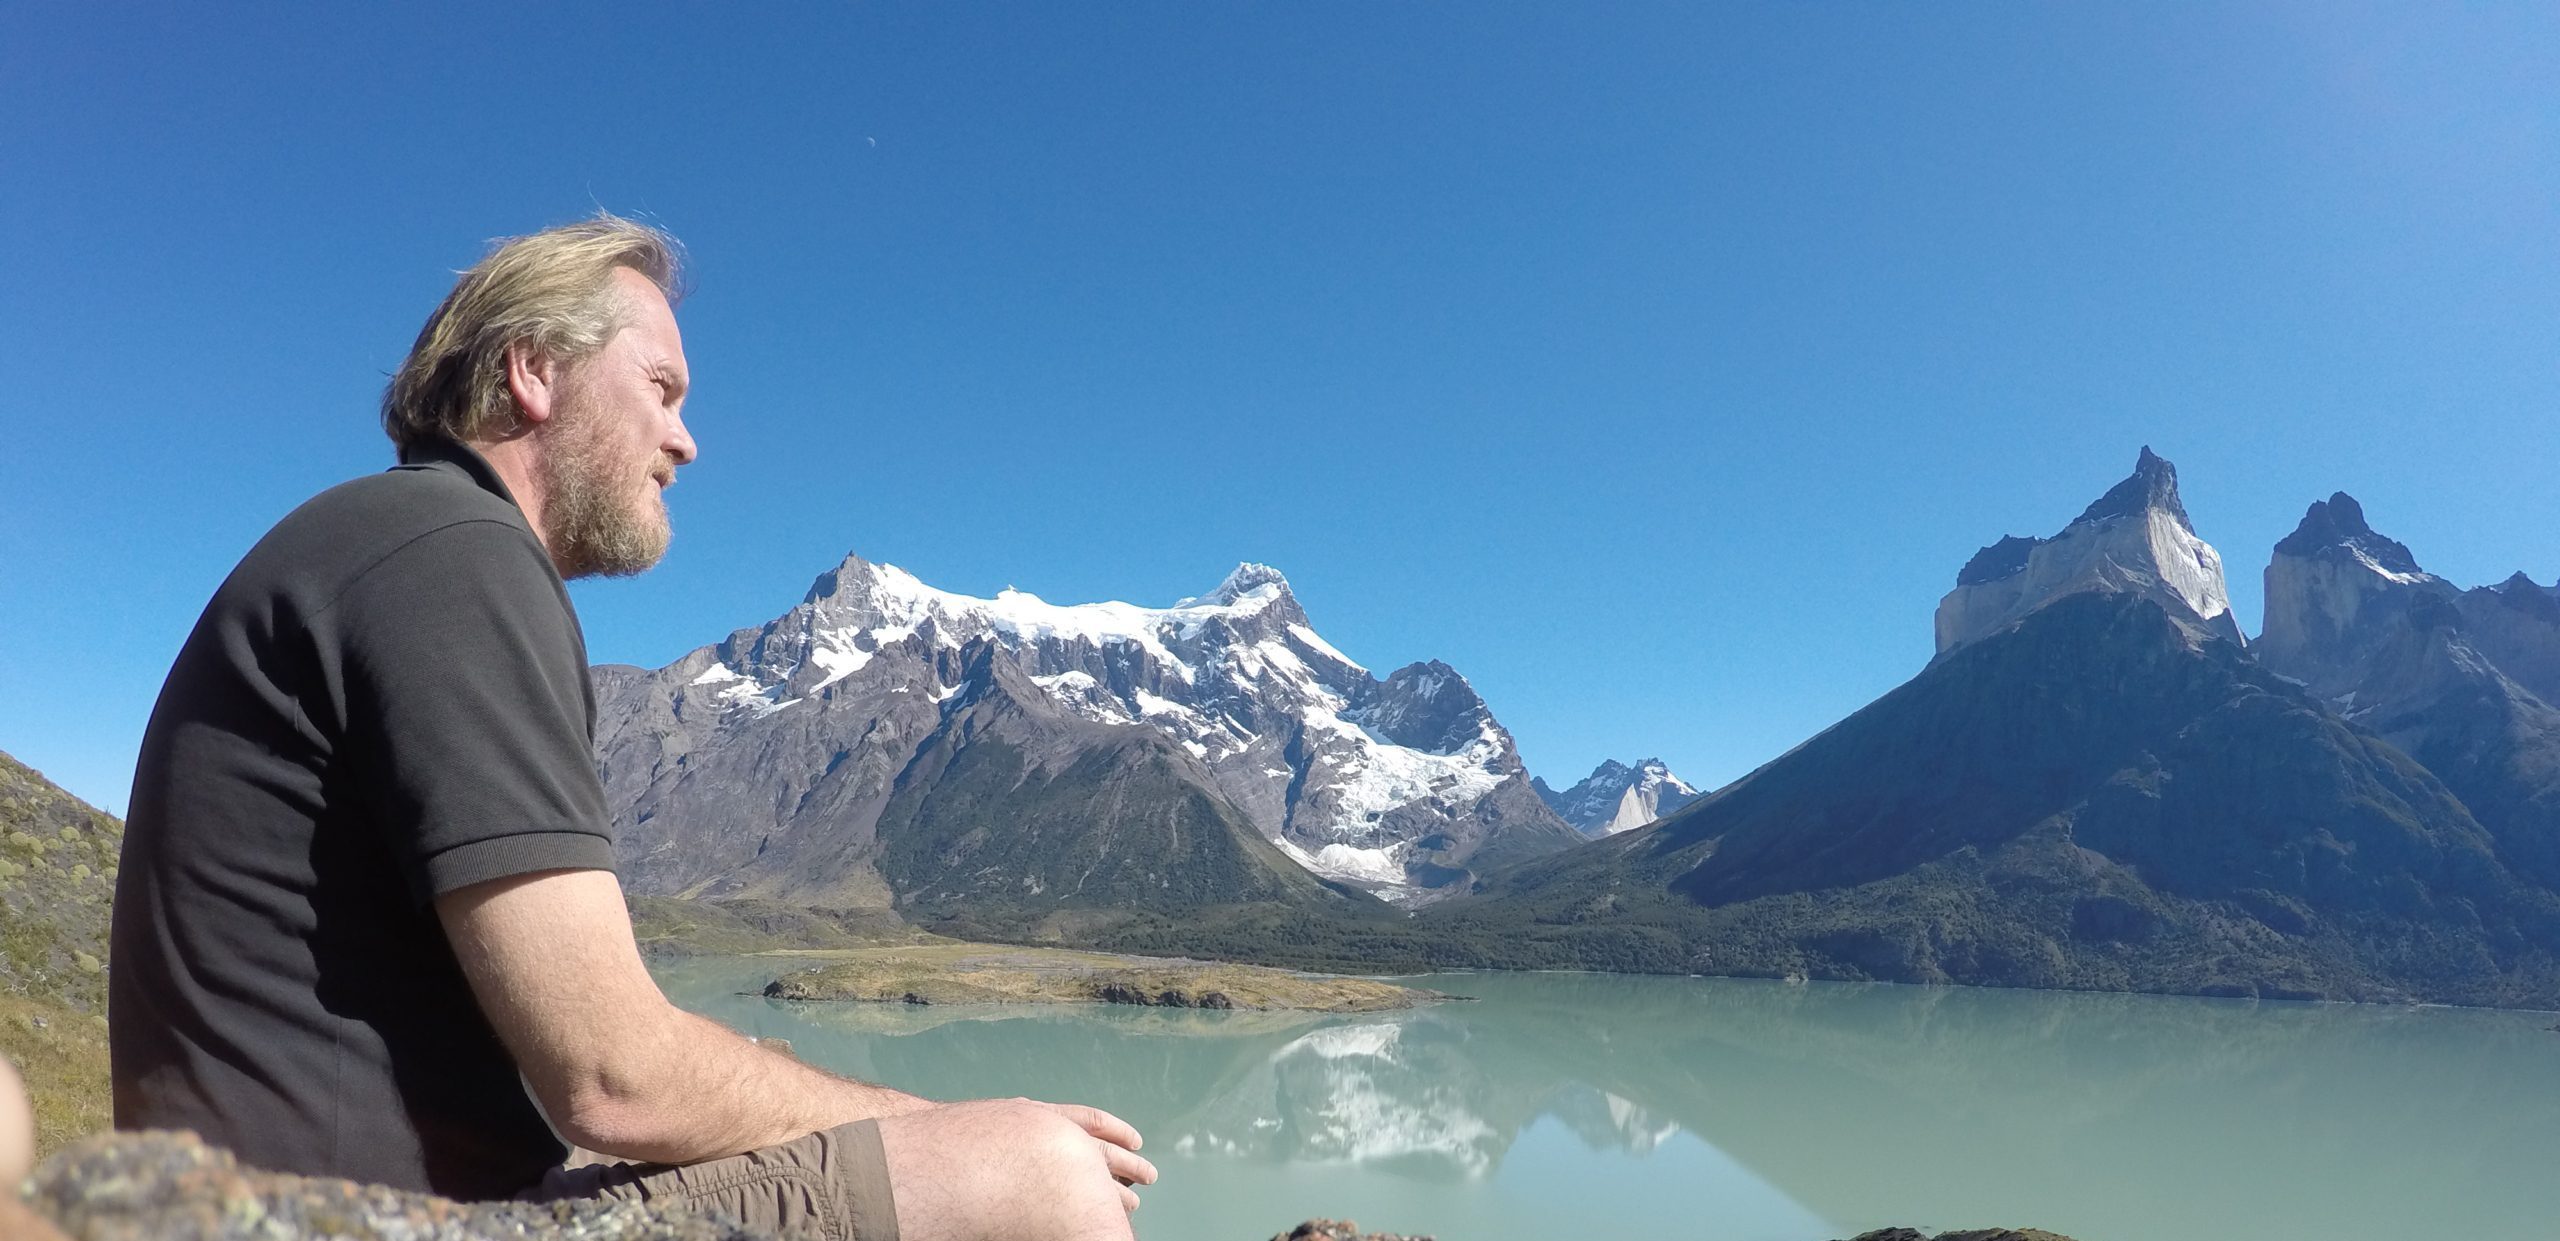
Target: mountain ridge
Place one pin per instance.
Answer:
(762, 765)
(2450, 676)
(1618, 797)
(2097, 784)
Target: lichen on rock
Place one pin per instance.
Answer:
(173, 1187)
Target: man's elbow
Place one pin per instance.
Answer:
(614, 1097)
(599, 1115)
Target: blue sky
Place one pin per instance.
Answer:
(1655, 365)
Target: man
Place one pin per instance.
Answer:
(367, 924)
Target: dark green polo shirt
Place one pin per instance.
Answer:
(386, 701)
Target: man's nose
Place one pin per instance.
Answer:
(679, 442)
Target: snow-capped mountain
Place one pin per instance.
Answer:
(2135, 539)
(1399, 785)
(1616, 797)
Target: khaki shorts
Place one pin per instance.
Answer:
(832, 1184)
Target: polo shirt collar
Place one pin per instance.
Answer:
(437, 452)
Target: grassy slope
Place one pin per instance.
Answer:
(57, 883)
(62, 1054)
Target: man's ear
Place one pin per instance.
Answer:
(533, 379)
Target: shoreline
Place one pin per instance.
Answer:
(951, 972)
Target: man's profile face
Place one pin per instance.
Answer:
(615, 438)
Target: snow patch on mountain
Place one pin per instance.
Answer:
(733, 689)
(1344, 770)
(1616, 797)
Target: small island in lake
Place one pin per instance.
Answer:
(954, 972)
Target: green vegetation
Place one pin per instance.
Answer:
(952, 972)
(57, 883)
(62, 1054)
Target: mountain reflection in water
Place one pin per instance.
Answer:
(1722, 1108)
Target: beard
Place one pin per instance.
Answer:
(600, 524)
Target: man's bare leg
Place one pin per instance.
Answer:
(1007, 1171)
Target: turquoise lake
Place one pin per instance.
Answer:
(1553, 1106)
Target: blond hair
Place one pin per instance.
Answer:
(551, 292)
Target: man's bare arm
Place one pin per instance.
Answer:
(617, 1068)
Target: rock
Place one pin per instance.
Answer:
(156, 1186)
(2134, 540)
(1338, 1230)
(1974, 1234)
(147, 1186)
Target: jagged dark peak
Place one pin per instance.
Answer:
(1247, 577)
(2152, 485)
(2006, 558)
(2521, 583)
(2523, 594)
(853, 568)
(1427, 706)
(1425, 668)
(1431, 680)
(2339, 522)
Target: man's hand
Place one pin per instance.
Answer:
(1120, 1141)
(961, 1164)
(1099, 1123)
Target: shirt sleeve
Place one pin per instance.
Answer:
(468, 711)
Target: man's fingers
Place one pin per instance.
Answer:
(1102, 1124)
(1128, 1199)
(1127, 1166)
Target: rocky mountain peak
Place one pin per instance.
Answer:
(1428, 706)
(2337, 525)
(1397, 784)
(1246, 578)
(2135, 539)
(1617, 797)
(849, 575)
(2006, 558)
(2346, 604)
(2516, 625)
(2520, 588)
(2153, 485)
